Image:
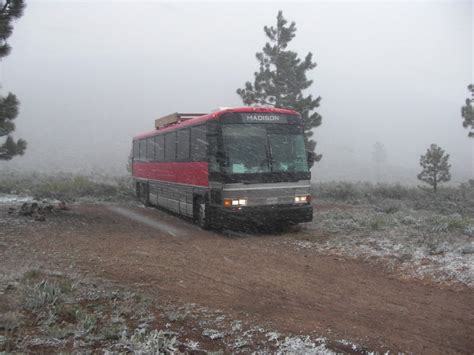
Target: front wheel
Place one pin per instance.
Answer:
(202, 214)
(143, 194)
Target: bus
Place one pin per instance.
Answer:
(246, 164)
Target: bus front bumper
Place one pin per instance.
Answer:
(263, 214)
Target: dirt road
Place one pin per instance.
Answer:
(252, 276)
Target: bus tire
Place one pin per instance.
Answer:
(137, 190)
(143, 193)
(201, 215)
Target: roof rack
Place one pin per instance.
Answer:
(175, 118)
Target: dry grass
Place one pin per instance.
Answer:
(392, 198)
(59, 314)
(67, 187)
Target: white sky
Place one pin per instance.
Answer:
(91, 75)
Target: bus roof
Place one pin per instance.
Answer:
(212, 116)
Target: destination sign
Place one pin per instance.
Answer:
(260, 117)
(263, 117)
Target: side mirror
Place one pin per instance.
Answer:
(311, 157)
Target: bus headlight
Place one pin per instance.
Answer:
(303, 199)
(235, 202)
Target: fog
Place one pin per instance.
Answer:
(91, 75)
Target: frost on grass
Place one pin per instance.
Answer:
(65, 187)
(42, 294)
(424, 242)
(61, 314)
(213, 334)
(7, 199)
(57, 310)
(153, 342)
(303, 345)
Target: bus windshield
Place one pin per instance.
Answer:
(264, 148)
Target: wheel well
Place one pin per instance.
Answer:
(197, 198)
(200, 196)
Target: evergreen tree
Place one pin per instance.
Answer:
(435, 167)
(10, 10)
(281, 79)
(467, 112)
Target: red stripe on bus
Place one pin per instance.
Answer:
(191, 173)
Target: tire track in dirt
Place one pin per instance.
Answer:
(161, 226)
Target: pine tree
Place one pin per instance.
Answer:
(10, 10)
(435, 167)
(467, 112)
(281, 79)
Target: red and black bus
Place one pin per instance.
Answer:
(247, 164)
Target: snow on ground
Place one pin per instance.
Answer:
(425, 243)
(129, 321)
(6, 199)
(304, 345)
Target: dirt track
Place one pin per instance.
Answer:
(248, 275)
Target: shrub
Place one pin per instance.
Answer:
(154, 342)
(394, 192)
(377, 223)
(42, 294)
(86, 322)
(457, 223)
(389, 206)
(337, 191)
(409, 220)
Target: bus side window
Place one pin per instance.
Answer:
(198, 143)
(142, 150)
(183, 145)
(135, 150)
(160, 148)
(150, 149)
(170, 146)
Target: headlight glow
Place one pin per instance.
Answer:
(234, 203)
(302, 199)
